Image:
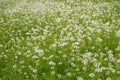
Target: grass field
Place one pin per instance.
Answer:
(59, 40)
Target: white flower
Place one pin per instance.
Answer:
(59, 63)
(64, 56)
(58, 20)
(21, 62)
(52, 63)
(118, 61)
(118, 72)
(93, 47)
(107, 72)
(80, 78)
(34, 57)
(118, 33)
(110, 52)
(25, 73)
(106, 48)
(53, 72)
(84, 68)
(102, 54)
(39, 51)
(1, 45)
(14, 66)
(72, 59)
(68, 74)
(52, 67)
(59, 75)
(99, 70)
(98, 30)
(118, 48)
(52, 46)
(91, 75)
(34, 70)
(51, 56)
(27, 76)
(16, 57)
(77, 69)
(108, 78)
(72, 64)
(99, 40)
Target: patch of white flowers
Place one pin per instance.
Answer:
(59, 40)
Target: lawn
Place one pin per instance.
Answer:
(59, 40)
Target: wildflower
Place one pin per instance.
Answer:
(106, 48)
(72, 59)
(107, 72)
(77, 69)
(85, 61)
(59, 76)
(84, 68)
(64, 56)
(58, 20)
(14, 66)
(19, 53)
(91, 75)
(43, 73)
(25, 73)
(27, 76)
(73, 65)
(52, 63)
(68, 74)
(99, 70)
(60, 52)
(1, 45)
(93, 47)
(118, 33)
(21, 62)
(34, 70)
(118, 61)
(52, 67)
(118, 48)
(112, 70)
(118, 72)
(80, 78)
(53, 72)
(16, 57)
(51, 56)
(34, 57)
(96, 55)
(59, 63)
(99, 40)
(102, 54)
(39, 51)
(52, 46)
(110, 52)
(108, 78)
(98, 30)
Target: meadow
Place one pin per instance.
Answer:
(59, 40)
